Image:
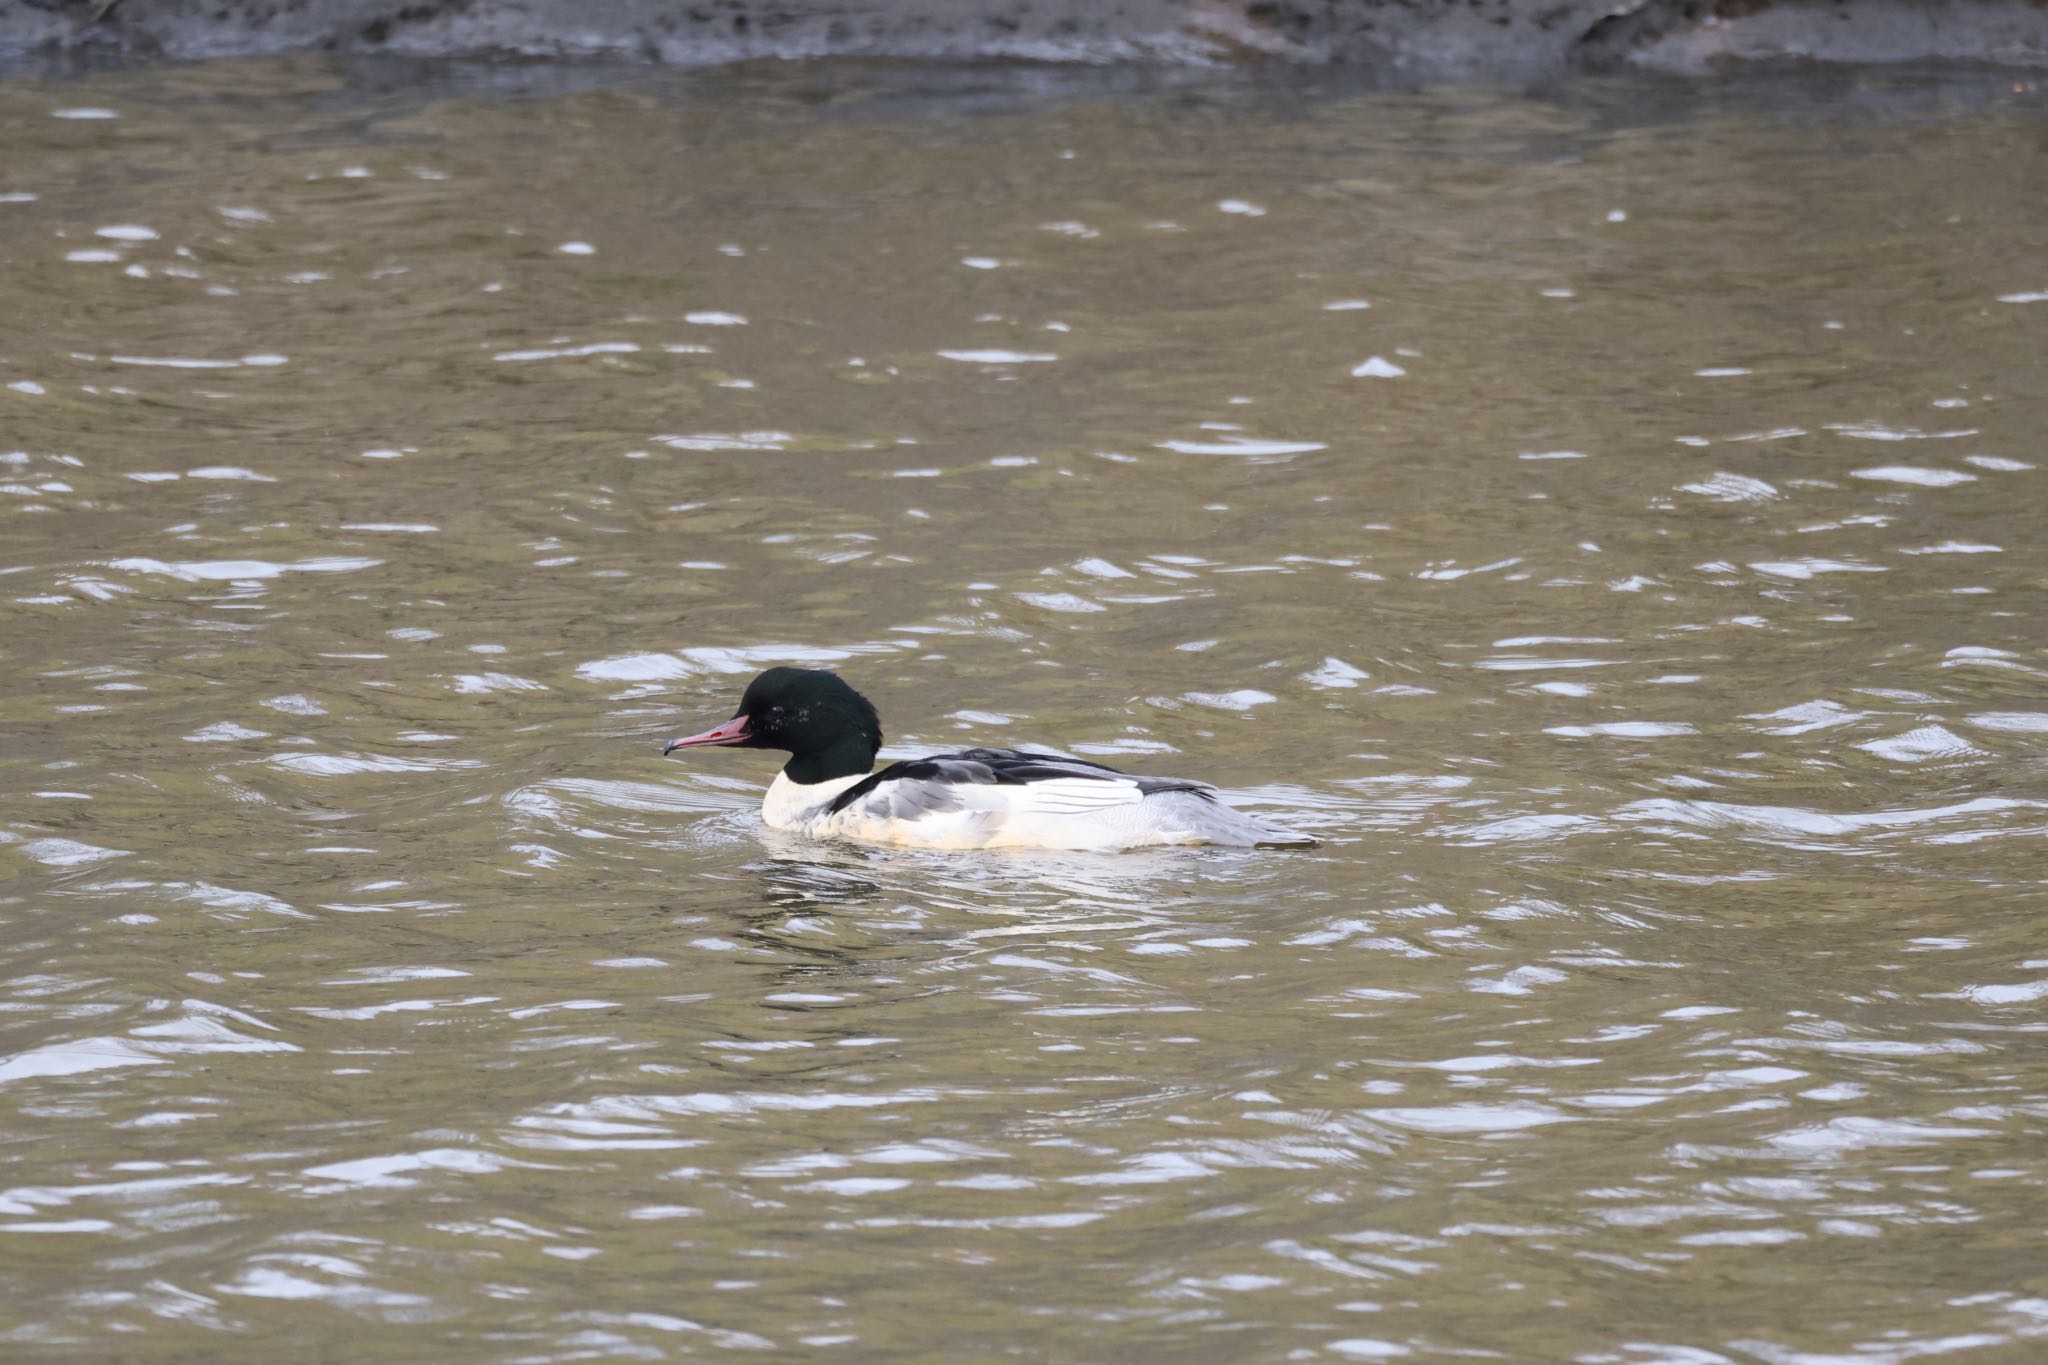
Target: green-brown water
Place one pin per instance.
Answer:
(1611, 519)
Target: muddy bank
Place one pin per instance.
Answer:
(1419, 38)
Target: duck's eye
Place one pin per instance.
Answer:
(775, 713)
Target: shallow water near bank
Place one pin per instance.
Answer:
(1608, 518)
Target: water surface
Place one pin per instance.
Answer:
(1609, 519)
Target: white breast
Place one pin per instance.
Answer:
(795, 805)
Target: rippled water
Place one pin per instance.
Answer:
(1610, 519)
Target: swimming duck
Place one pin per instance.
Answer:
(976, 798)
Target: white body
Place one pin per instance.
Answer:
(1062, 813)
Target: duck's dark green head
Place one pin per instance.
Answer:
(828, 729)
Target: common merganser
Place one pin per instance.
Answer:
(977, 798)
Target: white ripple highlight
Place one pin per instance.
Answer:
(236, 570)
(1917, 475)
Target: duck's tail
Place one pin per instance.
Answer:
(1207, 818)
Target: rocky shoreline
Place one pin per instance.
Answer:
(1420, 39)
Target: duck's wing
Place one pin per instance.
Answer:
(1008, 780)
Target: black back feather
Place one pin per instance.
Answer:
(1007, 768)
